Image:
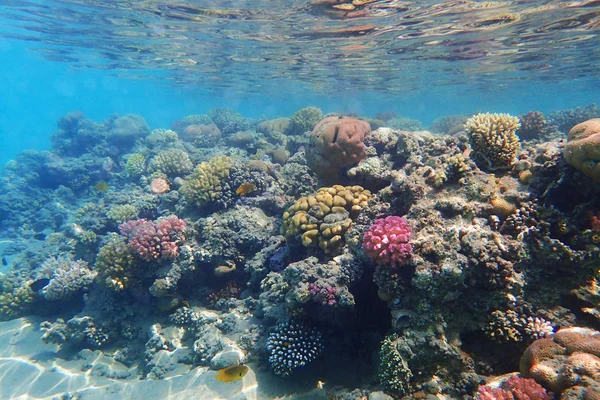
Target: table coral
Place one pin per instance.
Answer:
(493, 139)
(323, 218)
(336, 142)
(582, 150)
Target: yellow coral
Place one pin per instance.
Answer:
(493, 138)
(205, 183)
(115, 264)
(323, 218)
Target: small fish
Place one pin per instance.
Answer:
(38, 285)
(231, 374)
(4, 262)
(101, 186)
(245, 188)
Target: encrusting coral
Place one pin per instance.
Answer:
(493, 139)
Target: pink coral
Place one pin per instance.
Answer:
(386, 242)
(514, 388)
(151, 240)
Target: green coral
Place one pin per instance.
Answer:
(304, 120)
(135, 165)
(206, 182)
(15, 298)
(122, 213)
(115, 264)
(172, 162)
(394, 373)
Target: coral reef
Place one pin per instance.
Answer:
(582, 150)
(387, 241)
(291, 346)
(152, 240)
(304, 120)
(205, 184)
(323, 218)
(493, 139)
(336, 142)
(67, 277)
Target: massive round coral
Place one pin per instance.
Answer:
(336, 142)
(387, 241)
(582, 151)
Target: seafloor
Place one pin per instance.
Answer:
(337, 257)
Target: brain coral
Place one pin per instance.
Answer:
(336, 142)
(206, 182)
(323, 218)
(493, 139)
(568, 363)
(582, 150)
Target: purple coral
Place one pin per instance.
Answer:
(324, 294)
(514, 388)
(151, 240)
(386, 241)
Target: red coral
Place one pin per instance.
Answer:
(151, 240)
(514, 388)
(386, 242)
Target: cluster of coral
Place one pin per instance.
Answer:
(422, 263)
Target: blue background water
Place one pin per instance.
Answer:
(37, 92)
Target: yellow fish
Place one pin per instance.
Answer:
(231, 374)
(245, 188)
(101, 186)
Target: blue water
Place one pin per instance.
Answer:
(203, 244)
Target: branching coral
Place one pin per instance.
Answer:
(152, 240)
(206, 182)
(386, 241)
(493, 139)
(172, 163)
(115, 264)
(67, 277)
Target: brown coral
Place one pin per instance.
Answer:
(582, 150)
(493, 139)
(565, 362)
(336, 142)
(323, 218)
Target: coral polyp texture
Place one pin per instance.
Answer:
(567, 363)
(291, 346)
(206, 182)
(582, 150)
(513, 388)
(172, 163)
(493, 139)
(153, 240)
(336, 142)
(387, 241)
(322, 219)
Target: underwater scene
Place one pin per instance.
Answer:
(308, 199)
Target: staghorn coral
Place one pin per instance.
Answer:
(323, 218)
(207, 181)
(493, 139)
(582, 150)
(336, 142)
(386, 241)
(172, 163)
